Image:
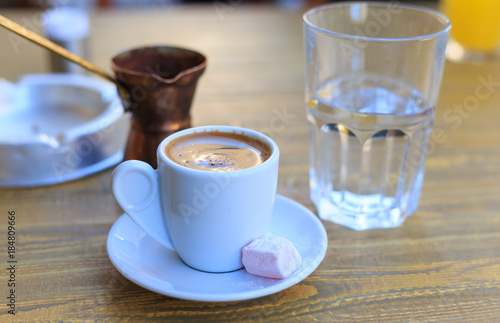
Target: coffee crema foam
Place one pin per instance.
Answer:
(217, 151)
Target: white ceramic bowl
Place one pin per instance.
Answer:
(59, 127)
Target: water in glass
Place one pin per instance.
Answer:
(369, 136)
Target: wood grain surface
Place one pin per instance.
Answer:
(442, 264)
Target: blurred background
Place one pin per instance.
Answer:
(144, 3)
(93, 34)
(84, 3)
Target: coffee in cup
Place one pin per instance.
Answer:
(212, 193)
(217, 151)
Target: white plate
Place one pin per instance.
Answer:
(152, 266)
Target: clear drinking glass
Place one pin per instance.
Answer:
(373, 73)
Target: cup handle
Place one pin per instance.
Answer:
(136, 189)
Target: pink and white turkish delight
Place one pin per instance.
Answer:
(271, 257)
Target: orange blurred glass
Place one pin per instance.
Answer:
(475, 33)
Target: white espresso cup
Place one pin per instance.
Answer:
(207, 217)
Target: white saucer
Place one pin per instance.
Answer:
(152, 266)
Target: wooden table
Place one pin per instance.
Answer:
(443, 263)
